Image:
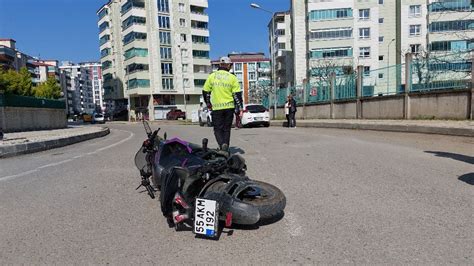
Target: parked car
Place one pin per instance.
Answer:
(255, 114)
(175, 114)
(205, 117)
(98, 118)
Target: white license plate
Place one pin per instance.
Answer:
(258, 118)
(205, 217)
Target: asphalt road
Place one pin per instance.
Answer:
(352, 197)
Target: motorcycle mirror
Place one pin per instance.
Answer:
(147, 127)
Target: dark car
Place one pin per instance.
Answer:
(174, 114)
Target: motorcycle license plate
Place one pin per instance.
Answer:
(205, 217)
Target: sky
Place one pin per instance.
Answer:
(66, 30)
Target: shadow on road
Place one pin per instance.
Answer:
(454, 156)
(468, 178)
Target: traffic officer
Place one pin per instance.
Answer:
(222, 95)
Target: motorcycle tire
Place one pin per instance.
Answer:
(270, 206)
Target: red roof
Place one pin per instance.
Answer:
(243, 60)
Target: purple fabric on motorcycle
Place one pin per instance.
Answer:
(180, 141)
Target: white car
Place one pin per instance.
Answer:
(255, 114)
(98, 118)
(205, 117)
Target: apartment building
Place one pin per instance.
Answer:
(155, 54)
(342, 34)
(281, 54)
(253, 70)
(84, 87)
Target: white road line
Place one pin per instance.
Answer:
(5, 178)
(292, 226)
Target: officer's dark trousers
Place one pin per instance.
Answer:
(222, 121)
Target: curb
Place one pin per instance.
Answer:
(463, 132)
(25, 148)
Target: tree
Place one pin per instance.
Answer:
(18, 83)
(49, 89)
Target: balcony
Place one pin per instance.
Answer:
(131, 4)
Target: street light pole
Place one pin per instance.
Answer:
(388, 65)
(272, 51)
(182, 78)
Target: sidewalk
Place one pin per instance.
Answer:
(33, 141)
(442, 127)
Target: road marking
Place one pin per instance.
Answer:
(5, 178)
(54, 164)
(292, 226)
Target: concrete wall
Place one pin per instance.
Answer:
(447, 105)
(383, 108)
(14, 119)
(346, 110)
(439, 105)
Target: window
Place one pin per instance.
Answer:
(364, 52)
(184, 53)
(453, 5)
(103, 12)
(138, 83)
(133, 36)
(364, 33)
(163, 6)
(201, 69)
(326, 14)
(181, 7)
(165, 37)
(380, 57)
(166, 68)
(381, 20)
(380, 2)
(380, 75)
(105, 52)
(185, 68)
(104, 39)
(453, 46)
(167, 84)
(239, 76)
(339, 33)
(280, 32)
(380, 39)
(141, 52)
(132, 68)
(165, 53)
(186, 83)
(182, 22)
(331, 52)
(200, 39)
(415, 48)
(183, 37)
(415, 10)
(364, 14)
(200, 54)
(455, 25)
(133, 20)
(199, 82)
(281, 46)
(415, 30)
(366, 70)
(199, 24)
(252, 76)
(103, 26)
(164, 22)
(238, 67)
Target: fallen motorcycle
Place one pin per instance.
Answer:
(200, 186)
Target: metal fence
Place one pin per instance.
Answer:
(423, 72)
(7, 100)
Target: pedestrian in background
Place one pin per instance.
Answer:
(292, 107)
(287, 111)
